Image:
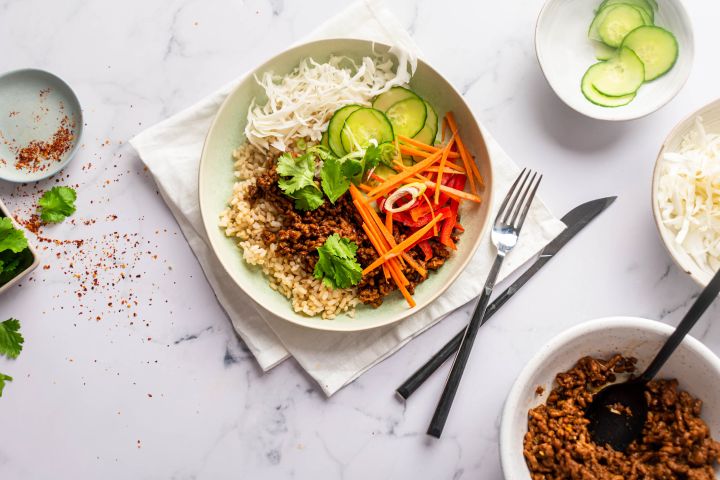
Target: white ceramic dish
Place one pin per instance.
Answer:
(565, 53)
(216, 182)
(710, 114)
(35, 261)
(26, 115)
(693, 364)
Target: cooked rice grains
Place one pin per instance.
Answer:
(245, 223)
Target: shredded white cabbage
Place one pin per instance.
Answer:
(689, 196)
(301, 103)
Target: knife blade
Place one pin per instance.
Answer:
(576, 220)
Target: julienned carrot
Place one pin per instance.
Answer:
(399, 177)
(389, 221)
(364, 188)
(432, 211)
(392, 267)
(467, 159)
(400, 247)
(420, 153)
(443, 159)
(449, 168)
(455, 193)
(418, 144)
(374, 241)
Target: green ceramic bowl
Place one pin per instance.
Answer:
(216, 182)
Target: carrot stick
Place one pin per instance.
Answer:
(395, 251)
(364, 188)
(375, 242)
(389, 221)
(420, 153)
(399, 177)
(449, 168)
(455, 193)
(469, 162)
(418, 144)
(432, 211)
(443, 159)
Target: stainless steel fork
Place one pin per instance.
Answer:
(505, 233)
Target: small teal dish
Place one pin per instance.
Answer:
(33, 105)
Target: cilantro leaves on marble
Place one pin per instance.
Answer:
(338, 266)
(11, 341)
(56, 204)
(11, 344)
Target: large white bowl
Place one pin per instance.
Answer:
(565, 53)
(710, 114)
(216, 182)
(693, 364)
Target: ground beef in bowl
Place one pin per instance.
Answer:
(676, 442)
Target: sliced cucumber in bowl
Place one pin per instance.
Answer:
(619, 21)
(592, 94)
(407, 116)
(365, 126)
(656, 47)
(647, 9)
(619, 76)
(396, 94)
(335, 126)
(429, 131)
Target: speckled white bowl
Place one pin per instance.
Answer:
(710, 114)
(693, 364)
(565, 53)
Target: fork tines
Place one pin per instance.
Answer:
(520, 196)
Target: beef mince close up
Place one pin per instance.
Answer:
(675, 444)
(303, 232)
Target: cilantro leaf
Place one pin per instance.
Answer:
(56, 204)
(334, 181)
(337, 265)
(3, 379)
(309, 198)
(297, 173)
(10, 237)
(298, 180)
(11, 341)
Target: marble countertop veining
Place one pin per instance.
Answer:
(135, 372)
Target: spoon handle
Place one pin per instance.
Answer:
(707, 296)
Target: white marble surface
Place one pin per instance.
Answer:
(171, 392)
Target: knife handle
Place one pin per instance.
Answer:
(414, 381)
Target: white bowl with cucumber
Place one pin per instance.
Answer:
(615, 59)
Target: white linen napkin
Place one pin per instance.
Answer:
(171, 151)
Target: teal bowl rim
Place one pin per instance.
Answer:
(78, 131)
(329, 325)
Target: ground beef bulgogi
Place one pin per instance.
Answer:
(303, 232)
(675, 444)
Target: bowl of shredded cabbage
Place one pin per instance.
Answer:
(686, 193)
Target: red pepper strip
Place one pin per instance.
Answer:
(446, 230)
(426, 249)
(422, 221)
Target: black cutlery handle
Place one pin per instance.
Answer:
(707, 296)
(446, 399)
(415, 380)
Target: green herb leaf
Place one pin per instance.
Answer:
(297, 173)
(383, 153)
(11, 341)
(337, 265)
(11, 238)
(334, 181)
(56, 204)
(4, 378)
(309, 198)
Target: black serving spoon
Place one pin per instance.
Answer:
(618, 412)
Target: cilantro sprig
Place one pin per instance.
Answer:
(14, 253)
(337, 265)
(11, 344)
(298, 174)
(56, 204)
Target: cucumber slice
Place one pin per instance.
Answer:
(396, 94)
(643, 5)
(592, 94)
(622, 75)
(656, 47)
(603, 52)
(384, 172)
(429, 131)
(604, 11)
(363, 126)
(620, 20)
(407, 116)
(335, 126)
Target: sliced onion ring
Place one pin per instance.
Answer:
(415, 190)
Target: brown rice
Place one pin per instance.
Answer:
(245, 223)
